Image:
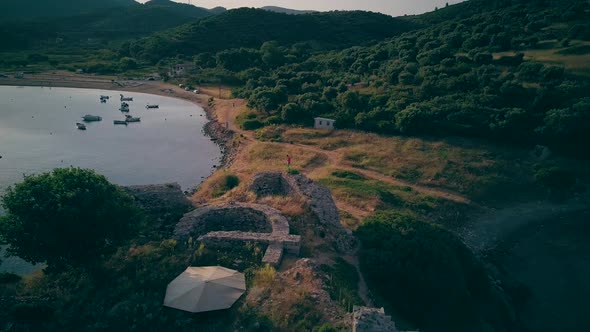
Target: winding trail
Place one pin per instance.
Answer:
(228, 109)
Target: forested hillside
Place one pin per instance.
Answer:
(470, 77)
(287, 10)
(33, 9)
(247, 27)
(101, 24)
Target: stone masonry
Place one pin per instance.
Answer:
(371, 320)
(228, 225)
(271, 183)
(318, 198)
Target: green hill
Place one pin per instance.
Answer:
(510, 71)
(34, 9)
(287, 10)
(247, 27)
(103, 25)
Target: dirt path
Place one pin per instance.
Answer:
(336, 159)
(228, 109)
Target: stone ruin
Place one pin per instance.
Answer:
(233, 224)
(318, 198)
(271, 184)
(366, 319)
(228, 225)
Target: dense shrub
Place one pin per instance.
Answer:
(426, 273)
(252, 124)
(67, 216)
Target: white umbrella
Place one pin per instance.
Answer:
(205, 288)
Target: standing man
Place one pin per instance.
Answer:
(288, 162)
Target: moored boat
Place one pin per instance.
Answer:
(152, 106)
(123, 98)
(91, 118)
(81, 126)
(129, 118)
(120, 122)
(104, 97)
(124, 107)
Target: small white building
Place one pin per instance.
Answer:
(324, 123)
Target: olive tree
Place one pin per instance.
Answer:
(67, 216)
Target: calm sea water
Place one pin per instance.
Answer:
(38, 133)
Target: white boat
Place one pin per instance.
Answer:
(129, 118)
(152, 106)
(120, 122)
(90, 118)
(81, 126)
(123, 98)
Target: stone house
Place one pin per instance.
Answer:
(324, 123)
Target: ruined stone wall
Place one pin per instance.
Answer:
(223, 218)
(371, 320)
(269, 184)
(318, 198)
(232, 225)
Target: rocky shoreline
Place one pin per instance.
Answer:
(221, 136)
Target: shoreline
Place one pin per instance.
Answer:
(215, 130)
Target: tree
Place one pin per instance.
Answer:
(292, 113)
(426, 273)
(67, 216)
(127, 63)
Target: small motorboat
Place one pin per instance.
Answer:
(91, 118)
(103, 100)
(81, 126)
(152, 106)
(129, 118)
(124, 107)
(120, 122)
(105, 97)
(123, 98)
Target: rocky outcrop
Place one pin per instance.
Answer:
(317, 196)
(270, 183)
(319, 199)
(157, 198)
(371, 320)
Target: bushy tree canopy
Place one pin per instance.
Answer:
(427, 273)
(67, 216)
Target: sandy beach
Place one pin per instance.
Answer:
(70, 80)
